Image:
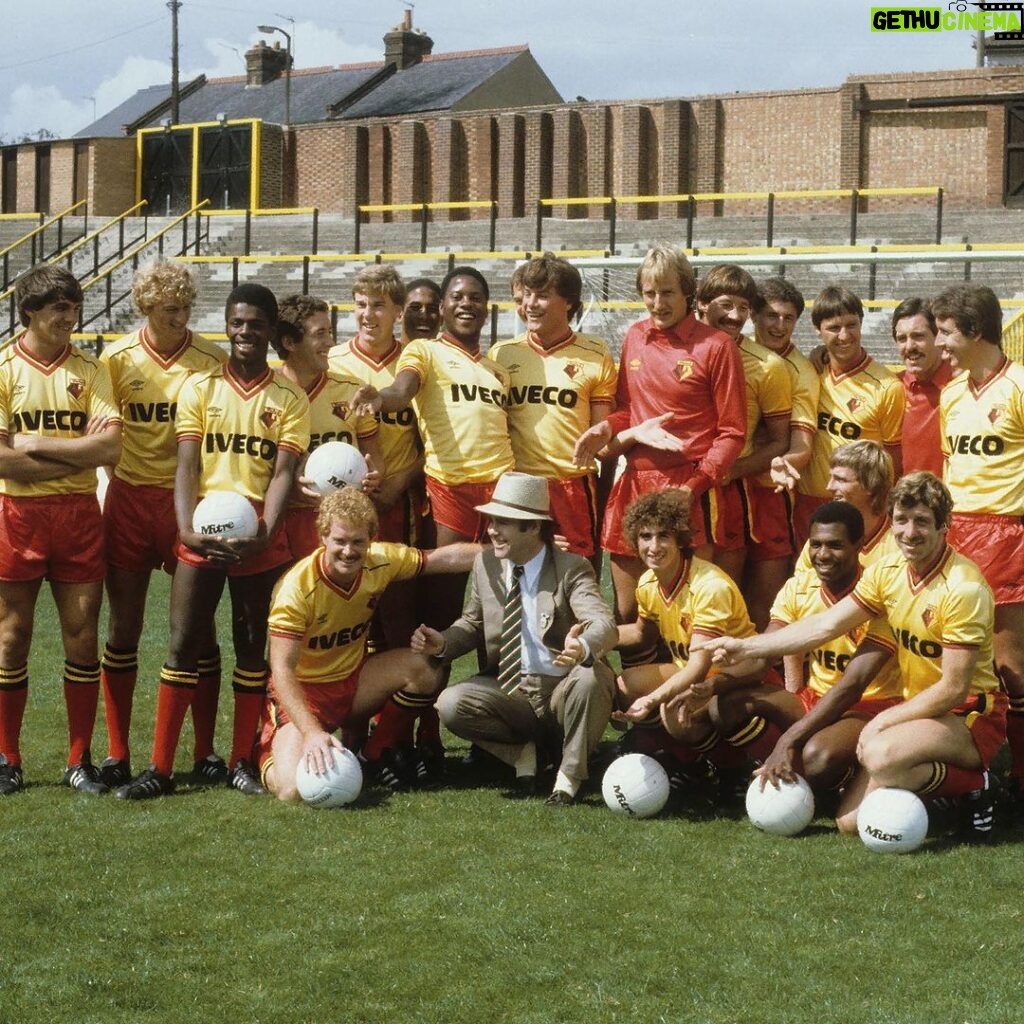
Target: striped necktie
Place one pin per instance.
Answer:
(510, 655)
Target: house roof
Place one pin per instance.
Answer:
(437, 82)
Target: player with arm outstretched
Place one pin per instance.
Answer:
(941, 738)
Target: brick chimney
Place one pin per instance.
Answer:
(404, 45)
(264, 64)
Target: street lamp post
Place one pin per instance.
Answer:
(287, 68)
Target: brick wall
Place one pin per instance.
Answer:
(826, 138)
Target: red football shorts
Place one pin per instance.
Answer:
(140, 530)
(867, 708)
(273, 556)
(996, 545)
(454, 506)
(711, 522)
(331, 703)
(769, 522)
(299, 530)
(574, 510)
(985, 716)
(404, 522)
(58, 537)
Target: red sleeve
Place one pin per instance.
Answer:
(729, 395)
(619, 419)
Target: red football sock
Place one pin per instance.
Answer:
(119, 670)
(250, 689)
(173, 697)
(82, 697)
(204, 706)
(756, 738)
(13, 695)
(397, 720)
(949, 780)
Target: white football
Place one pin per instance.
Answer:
(334, 464)
(892, 821)
(635, 784)
(782, 812)
(338, 786)
(225, 514)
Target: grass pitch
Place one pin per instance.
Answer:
(459, 906)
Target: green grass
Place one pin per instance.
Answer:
(460, 905)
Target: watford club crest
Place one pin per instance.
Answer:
(995, 413)
(572, 370)
(928, 617)
(269, 418)
(683, 370)
(76, 388)
(854, 404)
(372, 602)
(685, 622)
(341, 410)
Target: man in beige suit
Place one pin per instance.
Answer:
(545, 628)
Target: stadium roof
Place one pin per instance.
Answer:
(437, 82)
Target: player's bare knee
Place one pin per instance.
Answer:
(420, 674)
(820, 760)
(878, 754)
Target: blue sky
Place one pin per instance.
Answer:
(61, 56)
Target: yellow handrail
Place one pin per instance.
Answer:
(110, 223)
(42, 227)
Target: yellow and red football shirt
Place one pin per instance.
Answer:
(330, 621)
(240, 426)
(399, 437)
(146, 387)
(982, 428)
(866, 403)
(551, 393)
(701, 600)
(951, 606)
(804, 594)
(54, 399)
(461, 411)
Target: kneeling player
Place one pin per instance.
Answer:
(680, 597)
(940, 740)
(321, 678)
(833, 705)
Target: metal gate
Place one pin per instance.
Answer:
(1013, 167)
(225, 165)
(167, 171)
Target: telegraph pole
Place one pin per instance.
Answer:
(174, 6)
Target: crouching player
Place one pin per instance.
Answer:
(681, 597)
(843, 686)
(940, 740)
(321, 677)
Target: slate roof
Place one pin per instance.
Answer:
(438, 82)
